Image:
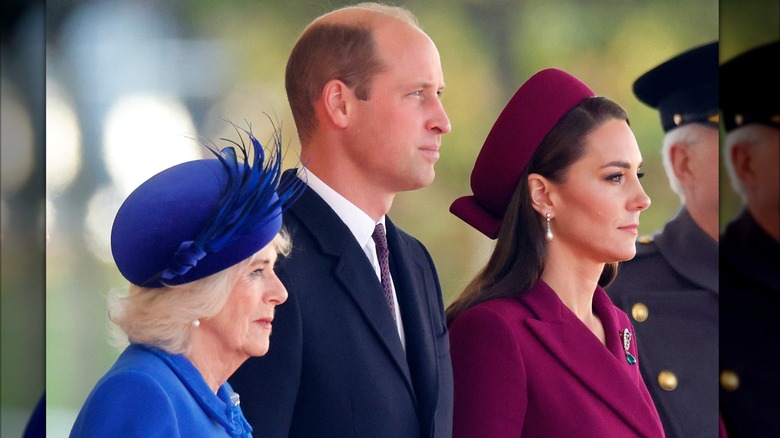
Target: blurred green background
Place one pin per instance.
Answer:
(130, 83)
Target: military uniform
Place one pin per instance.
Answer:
(749, 358)
(670, 290)
(750, 277)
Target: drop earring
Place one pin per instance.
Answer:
(196, 323)
(548, 234)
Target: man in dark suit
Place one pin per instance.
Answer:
(749, 277)
(670, 288)
(358, 350)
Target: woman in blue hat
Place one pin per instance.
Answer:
(198, 243)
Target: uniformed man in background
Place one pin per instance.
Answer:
(670, 288)
(750, 257)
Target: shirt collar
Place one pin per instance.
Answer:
(359, 223)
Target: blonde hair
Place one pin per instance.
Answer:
(162, 317)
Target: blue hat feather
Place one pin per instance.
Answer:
(200, 217)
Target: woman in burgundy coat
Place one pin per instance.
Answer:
(538, 349)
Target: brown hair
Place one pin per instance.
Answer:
(517, 261)
(334, 50)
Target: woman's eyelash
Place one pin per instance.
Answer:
(616, 177)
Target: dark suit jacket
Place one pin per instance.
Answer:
(336, 366)
(675, 276)
(527, 366)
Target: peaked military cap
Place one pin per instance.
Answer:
(684, 89)
(750, 91)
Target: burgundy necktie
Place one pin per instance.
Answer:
(384, 264)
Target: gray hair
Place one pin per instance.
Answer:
(752, 134)
(688, 135)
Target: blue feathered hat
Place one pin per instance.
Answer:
(200, 217)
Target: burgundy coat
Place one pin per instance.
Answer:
(529, 367)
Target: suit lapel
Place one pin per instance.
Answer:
(604, 371)
(411, 287)
(353, 271)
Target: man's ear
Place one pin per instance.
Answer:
(742, 162)
(539, 189)
(680, 163)
(335, 97)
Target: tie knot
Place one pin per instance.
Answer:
(380, 239)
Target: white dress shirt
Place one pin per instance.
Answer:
(362, 227)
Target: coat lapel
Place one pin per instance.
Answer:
(352, 270)
(411, 287)
(605, 371)
(699, 266)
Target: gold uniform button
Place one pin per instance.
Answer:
(667, 380)
(639, 312)
(645, 239)
(729, 380)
